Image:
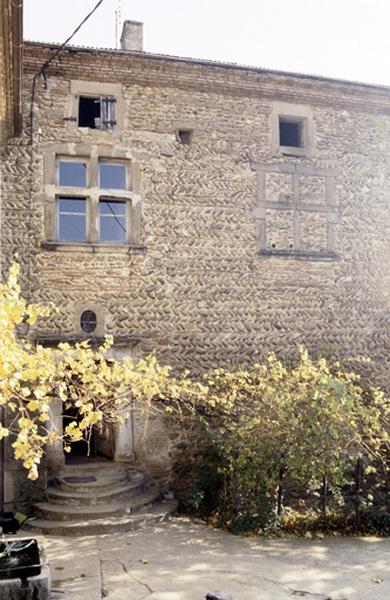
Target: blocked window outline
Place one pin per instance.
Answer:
(297, 209)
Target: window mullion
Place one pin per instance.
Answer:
(93, 217)
(100, 184)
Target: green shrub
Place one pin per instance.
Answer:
(375, 521)
(308, 423)
(204, 480)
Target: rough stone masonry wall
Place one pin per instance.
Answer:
(200, 293)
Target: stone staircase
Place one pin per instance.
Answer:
(96, 498)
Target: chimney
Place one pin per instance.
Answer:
(132, 36)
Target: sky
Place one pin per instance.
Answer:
(347, 39)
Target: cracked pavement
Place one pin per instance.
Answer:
(183, 560)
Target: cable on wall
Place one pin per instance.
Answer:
(42, 73)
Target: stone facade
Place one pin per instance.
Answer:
(242, 248)
(238, 245)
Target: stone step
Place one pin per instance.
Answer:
(92, 497)
(66, 512)
(158, 512)
(88, 466)
(85, 483)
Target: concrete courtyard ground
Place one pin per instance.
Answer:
(182, 560)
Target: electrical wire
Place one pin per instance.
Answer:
(46, 65)
(42, 73)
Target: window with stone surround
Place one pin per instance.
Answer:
(89, 319)
(91, 198)
(296, 211)
(291, 132)
(292, 129)
(95, 105)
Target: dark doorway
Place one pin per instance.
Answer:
(83, 448)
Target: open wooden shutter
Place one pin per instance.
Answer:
(107, 112)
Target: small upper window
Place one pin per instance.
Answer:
(72, 219)
(112, 176)
(290, 133)
(112, 221)
(97, 112)
(72, 173)
(184, 136)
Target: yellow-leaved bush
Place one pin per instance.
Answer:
(27, 375)
(32, 377)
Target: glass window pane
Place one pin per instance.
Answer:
(108, 207)
(112, 230)
(88, 321)
(290, 133)
(112, 221)
(112, 177)
(72, 173)
(72, 228)
(71, 205)
(72, 220)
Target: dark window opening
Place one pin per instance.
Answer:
(89, 112)
(88, 321)
(290, 133)
(184, 136)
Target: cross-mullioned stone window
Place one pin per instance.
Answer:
(73, 211)
(91, 199)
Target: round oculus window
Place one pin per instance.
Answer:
(88, 321)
